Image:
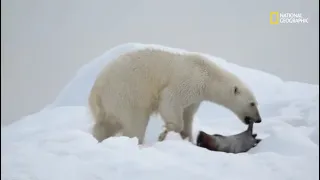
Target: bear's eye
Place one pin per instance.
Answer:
(252, 104)
(236, 90)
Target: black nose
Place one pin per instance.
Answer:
(258, 121)
(247, 120)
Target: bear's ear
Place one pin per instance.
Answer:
(236, 90)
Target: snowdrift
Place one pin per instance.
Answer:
(56, 144)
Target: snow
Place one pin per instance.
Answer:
(56, 144)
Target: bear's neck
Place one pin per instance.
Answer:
(216, 93)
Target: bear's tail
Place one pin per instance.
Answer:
(95, 107)
(102, 127)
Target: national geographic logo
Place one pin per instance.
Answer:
(287, 18)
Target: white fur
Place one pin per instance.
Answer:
(138, 84)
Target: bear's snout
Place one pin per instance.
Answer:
(258, 120)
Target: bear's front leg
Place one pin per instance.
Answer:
(171, 113)
(188, 115)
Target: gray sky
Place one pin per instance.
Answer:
(43, 43)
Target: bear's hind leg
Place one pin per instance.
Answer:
(136, 126)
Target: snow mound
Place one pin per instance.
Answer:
(56, 142)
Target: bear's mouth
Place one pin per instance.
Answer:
(247, 120)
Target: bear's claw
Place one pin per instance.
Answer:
(163, 135)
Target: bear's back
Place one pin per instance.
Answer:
(150, 67)
(139, 77)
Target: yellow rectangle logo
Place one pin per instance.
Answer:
(276, 21)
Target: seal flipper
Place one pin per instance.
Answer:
(258, 141)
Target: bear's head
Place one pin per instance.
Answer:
(228, 90)
(223, 87)
(244, 104)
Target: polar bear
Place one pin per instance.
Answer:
(138, 84)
